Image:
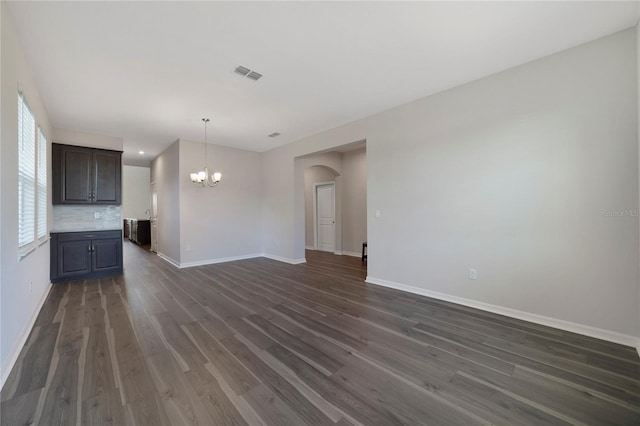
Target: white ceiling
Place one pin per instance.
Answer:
(149, 71)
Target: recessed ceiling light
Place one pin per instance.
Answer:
(140, 152)
(274, 134)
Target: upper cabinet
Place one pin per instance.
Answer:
(86, 175)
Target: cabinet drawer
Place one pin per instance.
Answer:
(89, 235)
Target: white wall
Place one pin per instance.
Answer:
(224, 222)
(18, 304)
(165, 172)
(136, 192)
(638, 117)
(312, 176)
(354, 205)
(515, 175)
(91, 140)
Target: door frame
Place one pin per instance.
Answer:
(315, 213)
(153, 219)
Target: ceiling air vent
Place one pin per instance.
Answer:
(244, 71)
(254, 75)
(274, 134)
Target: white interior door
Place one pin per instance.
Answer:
(325, 217)
(154, 217)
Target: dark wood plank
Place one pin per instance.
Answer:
(61, 397)
(20, 410)
(33, 367)
(318, 358)
(146, 410)
(407, 403)
(99, 377)
(181, 403)
(284, 390)
(103, 409)
(270, 408)
(238, 377)
(333, 392)
(215, 401)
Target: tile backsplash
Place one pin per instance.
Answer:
(83, 218)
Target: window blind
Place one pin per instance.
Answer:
(42, 184)
(26, 173)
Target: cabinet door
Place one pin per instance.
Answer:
(72, 174)
(106, 177)
(107, 255)
(74, 258)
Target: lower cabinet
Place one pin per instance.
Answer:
(139, 231)
(80, 255)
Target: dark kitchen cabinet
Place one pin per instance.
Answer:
(86, 175)
(140, 231)
(80, 255)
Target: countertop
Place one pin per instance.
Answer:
(82, 229)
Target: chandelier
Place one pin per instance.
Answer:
(203, 177)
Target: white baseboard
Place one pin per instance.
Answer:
(352, 253)
(219, 260)
(598, 333)
(22, 339)
(309, 248)
(284, 259)
(230, 259)
(168, 259)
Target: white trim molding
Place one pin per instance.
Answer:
(351, 253)
(284, 259)
(230, 259)
(168, 259)
(219, 260)
(12, 358)
(207, 261)
(309, 248)
(598, 333)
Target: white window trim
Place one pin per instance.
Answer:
(32, 246)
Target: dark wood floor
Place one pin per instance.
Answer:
(261, 342)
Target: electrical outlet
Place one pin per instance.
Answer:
(473, 274)
(96, 215)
